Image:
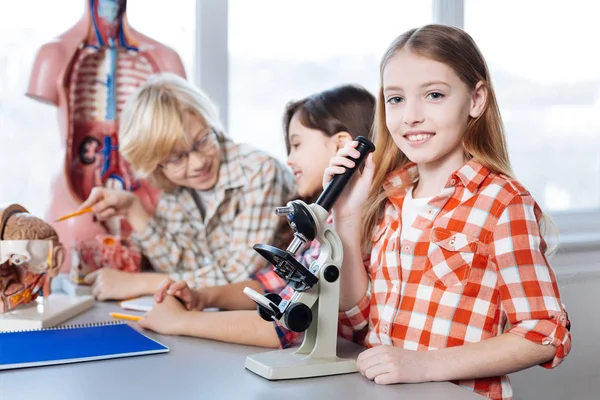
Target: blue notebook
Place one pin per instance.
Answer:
(70, 344)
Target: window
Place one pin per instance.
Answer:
(544, 57)
(170, 23)
(30, 139)
(544, 70)
(31, 149)
(285, 50)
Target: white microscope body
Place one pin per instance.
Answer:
(313, 308)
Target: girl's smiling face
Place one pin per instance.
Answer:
(427, 108)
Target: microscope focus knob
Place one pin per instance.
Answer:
(331, 273)
(268, 314)
(298, 317)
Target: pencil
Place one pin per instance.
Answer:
(76, 213)
(125, 316)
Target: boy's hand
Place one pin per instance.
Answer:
(107, 203)
(112, 284)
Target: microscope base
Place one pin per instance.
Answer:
(287, 364)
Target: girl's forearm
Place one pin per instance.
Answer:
(497, 356)
(240, 327)
(147, 282)
(354, 280)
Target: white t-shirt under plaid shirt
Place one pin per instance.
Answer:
(217, 249)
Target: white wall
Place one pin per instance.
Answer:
(578, 377)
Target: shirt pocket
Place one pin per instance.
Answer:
(450, 257)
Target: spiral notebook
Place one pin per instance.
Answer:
(74, 343)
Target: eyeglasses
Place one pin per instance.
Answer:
(204, 145)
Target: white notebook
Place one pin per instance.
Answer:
(143, 303)
(45, 313)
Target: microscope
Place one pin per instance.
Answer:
(313, 308)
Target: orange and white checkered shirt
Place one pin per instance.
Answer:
(470, 267)
(217, 250)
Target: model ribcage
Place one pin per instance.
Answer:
(100, 83)
(96, 94)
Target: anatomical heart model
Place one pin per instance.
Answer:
(30, 256)
(106, 251)
(88, 72)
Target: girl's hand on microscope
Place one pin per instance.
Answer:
(349, 204)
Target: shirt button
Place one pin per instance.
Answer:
(452, 243)
(406, 248)
(385, 329)
(395, 287)
(453, 181)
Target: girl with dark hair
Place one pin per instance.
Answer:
(315, 128)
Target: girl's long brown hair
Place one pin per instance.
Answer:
(484, 137)
(345, 108)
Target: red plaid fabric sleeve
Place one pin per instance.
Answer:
(269, 281)
(527, 287)
(353, 323)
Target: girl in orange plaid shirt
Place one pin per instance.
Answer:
(455, 285)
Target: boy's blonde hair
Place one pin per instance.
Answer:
(151, 124)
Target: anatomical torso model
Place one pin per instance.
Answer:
(88, 72)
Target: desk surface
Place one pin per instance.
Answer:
(195, 368)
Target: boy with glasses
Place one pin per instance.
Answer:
(218, 197)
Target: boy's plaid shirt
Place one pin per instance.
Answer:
(470, 268)
(218, 250)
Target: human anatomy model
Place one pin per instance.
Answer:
(30, 256)
(88, 72)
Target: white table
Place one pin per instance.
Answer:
(195, 369)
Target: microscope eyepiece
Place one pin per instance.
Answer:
(337, 184)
